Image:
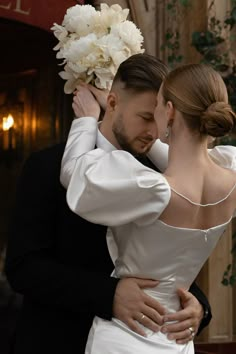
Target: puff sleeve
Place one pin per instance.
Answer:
(224, 155)
(111, 188)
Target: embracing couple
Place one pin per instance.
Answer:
(163, 225)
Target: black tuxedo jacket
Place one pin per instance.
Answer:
(59, 262)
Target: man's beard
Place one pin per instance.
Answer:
(121, 137)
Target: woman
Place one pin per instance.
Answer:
(165, 225)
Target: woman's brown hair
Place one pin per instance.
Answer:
(200, 94)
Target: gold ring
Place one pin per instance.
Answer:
(142, 317)
(192, 331)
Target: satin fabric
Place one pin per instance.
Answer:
(120, 192)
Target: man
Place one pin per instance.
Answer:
(60, 262)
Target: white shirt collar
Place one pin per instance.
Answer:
(103, 143)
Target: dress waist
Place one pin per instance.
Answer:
(169, 300)
(166, 296)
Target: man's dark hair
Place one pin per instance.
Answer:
(141, 72)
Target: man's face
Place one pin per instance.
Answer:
(133, 125)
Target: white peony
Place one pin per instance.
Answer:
(80, 19)
(92, 44)
(129, 34)
(109, 16)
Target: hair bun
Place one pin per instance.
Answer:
(218, 119)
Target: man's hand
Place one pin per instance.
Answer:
(85, 104)
(189, 319)
(132, 305)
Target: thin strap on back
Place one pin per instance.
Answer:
(204, 205)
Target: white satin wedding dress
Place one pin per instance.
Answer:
(115, 189)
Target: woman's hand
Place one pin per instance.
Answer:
(84, 103)
(101, 95)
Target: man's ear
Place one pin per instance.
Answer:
(170, 113)
(112, 100)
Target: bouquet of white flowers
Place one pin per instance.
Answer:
(94, 43)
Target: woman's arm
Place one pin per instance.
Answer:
(81, 139)
(109, 188)
(159, 155)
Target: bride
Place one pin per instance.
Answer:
(165, 225)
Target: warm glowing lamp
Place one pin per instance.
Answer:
(8, 136)
(11, 125)
(7, 122)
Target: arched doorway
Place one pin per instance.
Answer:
(32, 91)
(30, 87)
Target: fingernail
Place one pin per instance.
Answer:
(170, 336)
(164, 330)
(156, 329)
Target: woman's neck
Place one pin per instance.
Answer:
(186, 151)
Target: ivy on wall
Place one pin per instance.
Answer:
(216, 47)
(229, 275)
(172, 35)
(214, 44)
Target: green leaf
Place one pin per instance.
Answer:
(228, 267)
(170, 45)
(233, 13)
(168, 36)
(179, 58)
(196, 36)
(232, 279)
(185, 3)
(225, 282)
(169, 6)
(170, 59)
(230, 22)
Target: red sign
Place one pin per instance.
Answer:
(38, 13)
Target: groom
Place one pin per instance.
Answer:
(60, 262)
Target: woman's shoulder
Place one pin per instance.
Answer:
(224, 155)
